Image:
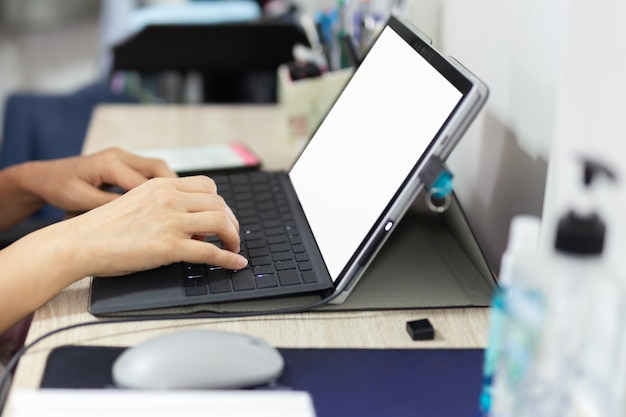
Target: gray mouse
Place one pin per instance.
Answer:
(194, 359)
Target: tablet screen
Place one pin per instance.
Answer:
(372, 138)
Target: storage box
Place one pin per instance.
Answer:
(307, 101)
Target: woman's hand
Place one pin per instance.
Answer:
(72, 184)
(160, 222)
(76, 184)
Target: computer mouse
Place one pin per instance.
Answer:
(195, 359)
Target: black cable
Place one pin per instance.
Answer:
(6, 377)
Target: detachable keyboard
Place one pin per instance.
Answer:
(269, 239)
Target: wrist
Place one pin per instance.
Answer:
(35, 269)
(17, 199)
(59, 247)
(24, 178)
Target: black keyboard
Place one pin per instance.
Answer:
(270, 240)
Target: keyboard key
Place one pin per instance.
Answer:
(242, 280)
(305, 266)
(274, 231)
(268, 224)
(219, 282)
(290, 277)
(250, 227)
(238, 179)
(193, 271)
(280, 247)
(309, 277)
(253, 236)
(258, 188)
(255, 244)
(301, 257)
(242, 196)
(260, 260)
(259, 252)
(282, 265)
(298, 248)
(263, 196)
(282, 256)
(245, 204)
(259, 176)
(276, 239)
(268, 214)
(266, 205)
(263, 269)
(246, 219)
(295, 240)
(193, 291)
(246, 212)
(241, 188)
(266, 281)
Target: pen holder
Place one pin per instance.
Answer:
(306, 101)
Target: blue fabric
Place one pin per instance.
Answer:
(50, 126)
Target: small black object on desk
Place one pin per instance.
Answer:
(420, 329)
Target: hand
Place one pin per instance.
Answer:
(157, 223)
(160, 222)
(76, 184)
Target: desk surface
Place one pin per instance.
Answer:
(264, 129)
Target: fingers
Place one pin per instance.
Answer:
(205, 213)
(127, 170)
(199, 202)
(158, 223)
(196, 251)
(148, 167)
(214, 223)
(196, 184)
(123, 175)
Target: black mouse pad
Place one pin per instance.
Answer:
(342, 382)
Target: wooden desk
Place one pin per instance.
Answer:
(264, 129)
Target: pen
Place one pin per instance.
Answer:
(308, 24)
(325, 21)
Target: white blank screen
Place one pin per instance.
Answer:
(367, 145)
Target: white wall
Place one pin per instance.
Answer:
(517, 48)
(556, 74)
(591, 115)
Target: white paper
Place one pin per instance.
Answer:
(140, 403)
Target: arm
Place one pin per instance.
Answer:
(155, 224)
(16, 203)
(72, 184)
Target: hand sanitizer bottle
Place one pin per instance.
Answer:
(522, 244)
(592, 310)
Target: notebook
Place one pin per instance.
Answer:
(316, 228)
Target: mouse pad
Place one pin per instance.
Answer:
(342, 382)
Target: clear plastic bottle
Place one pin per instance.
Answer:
(593, 307)
(577, 372)
(526, 312)
(522, 245)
